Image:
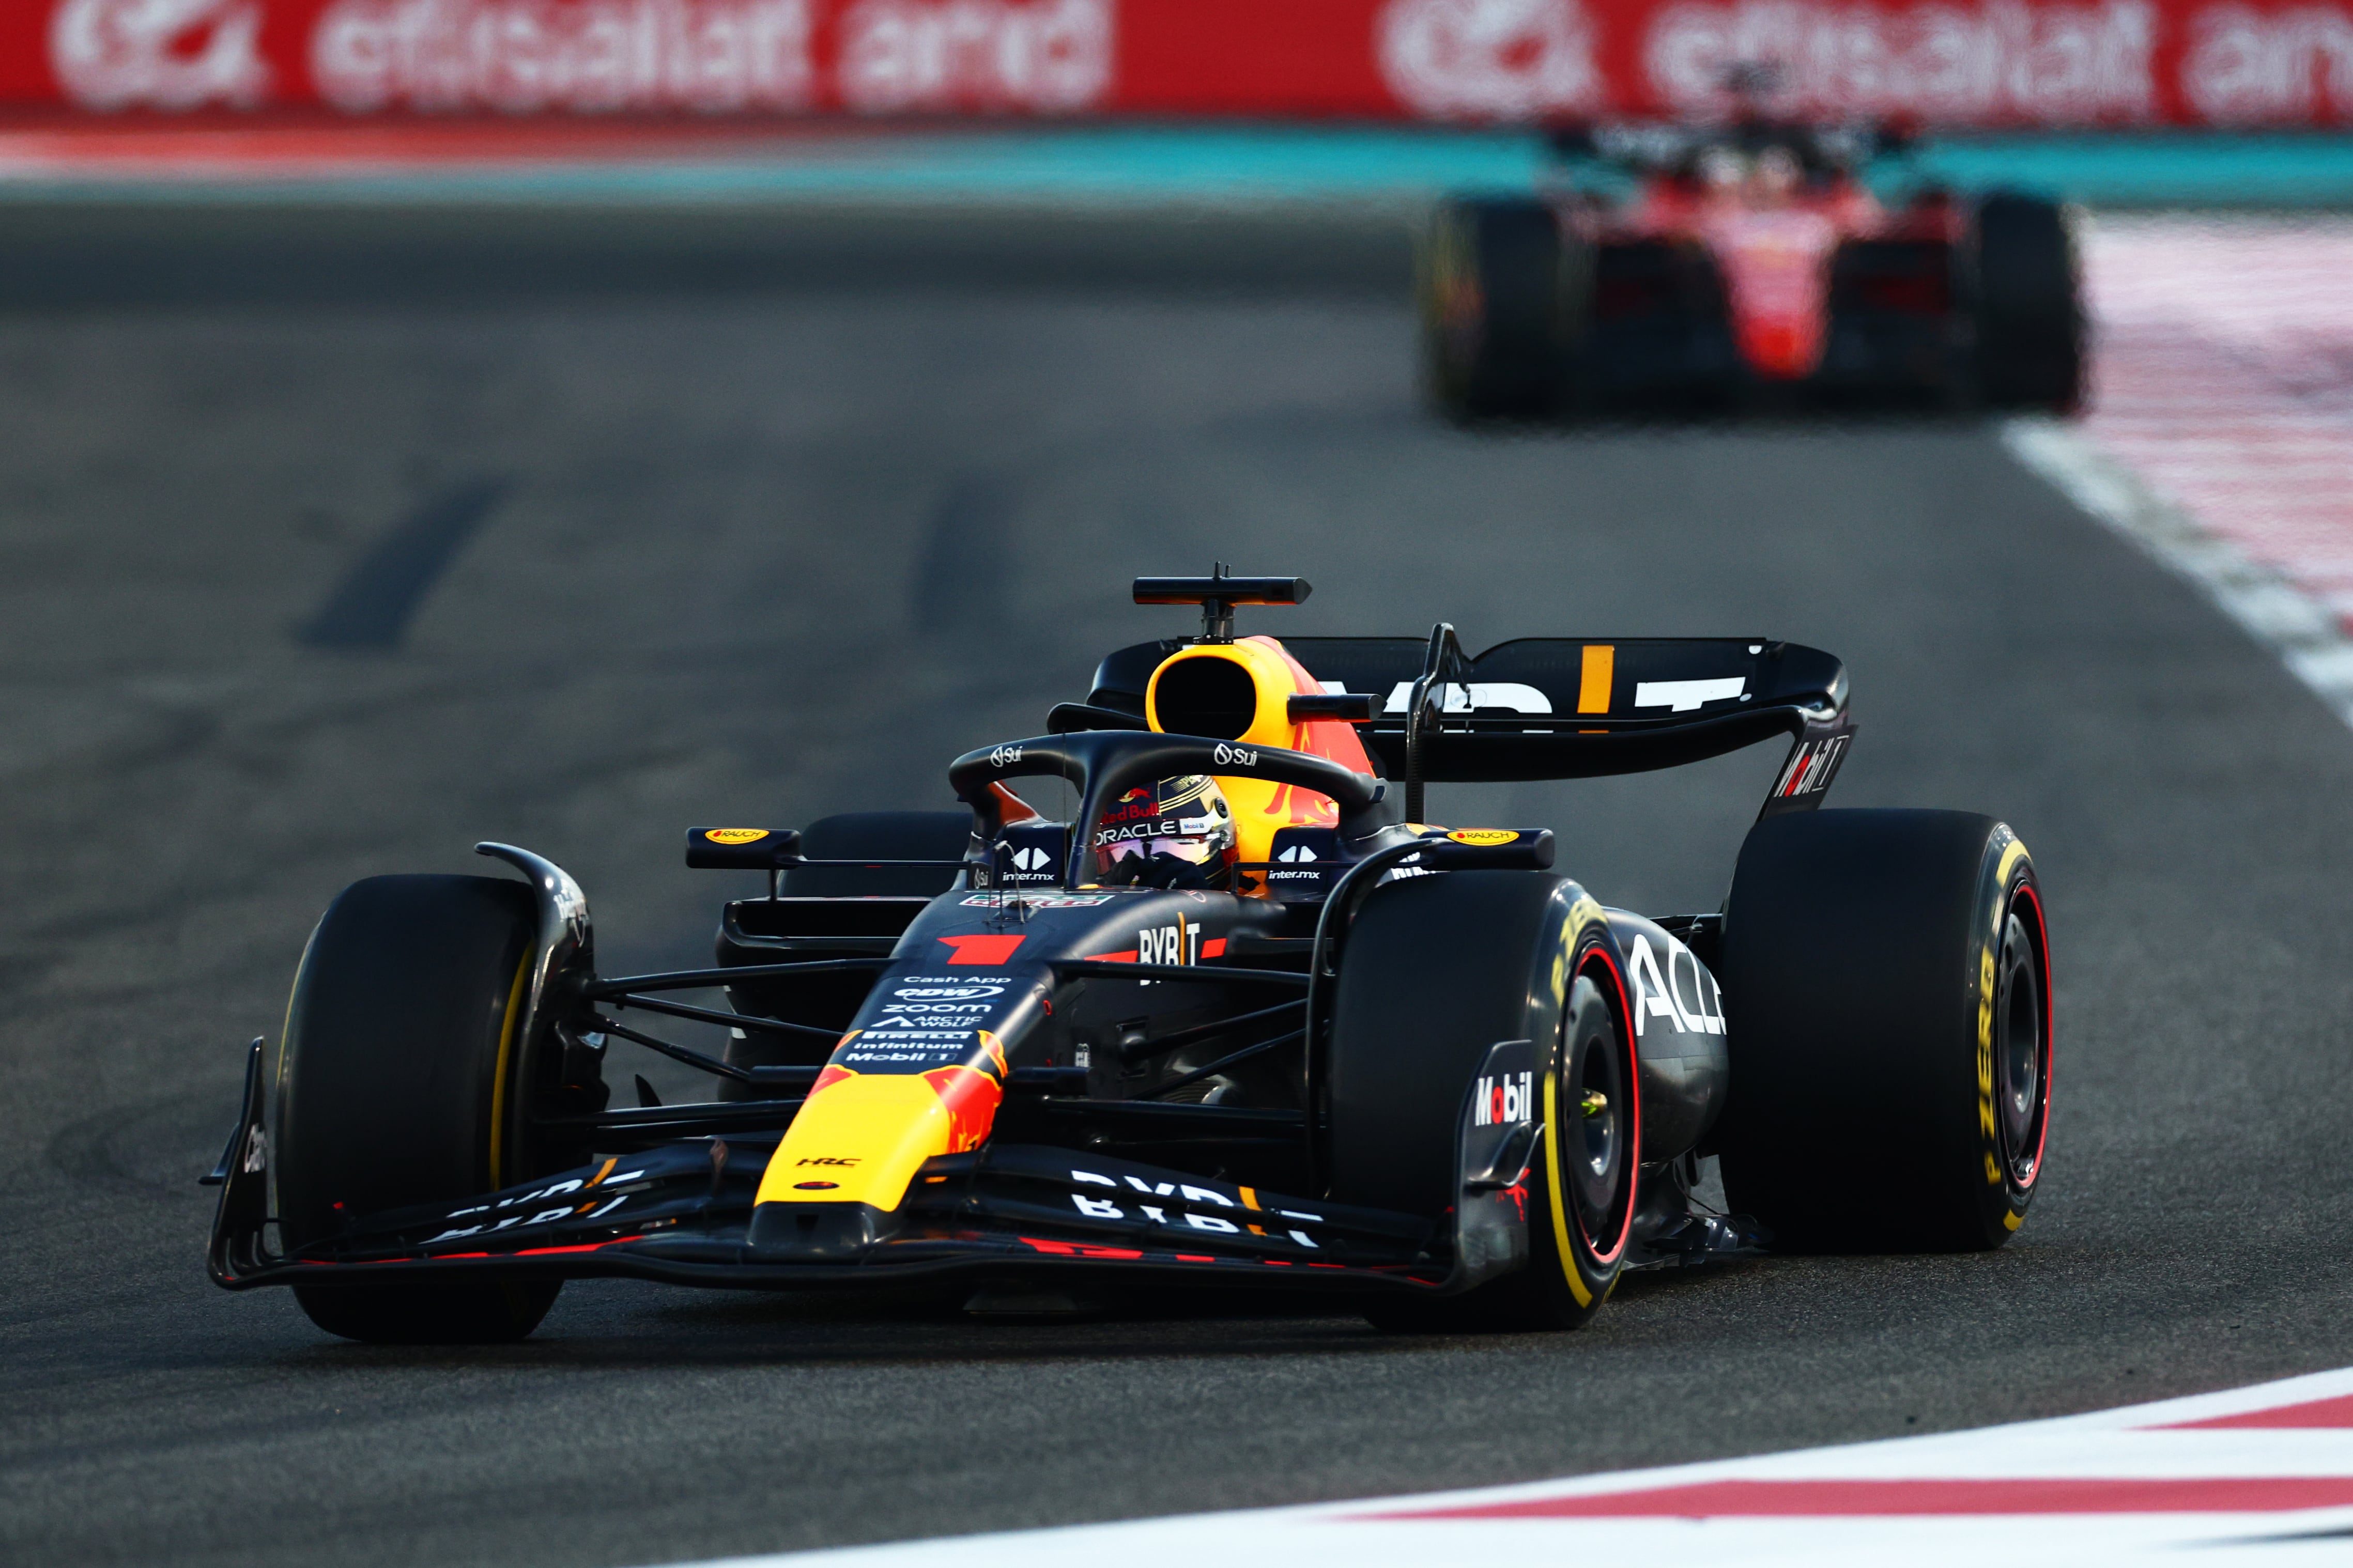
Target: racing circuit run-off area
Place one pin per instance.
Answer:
(1412, 781)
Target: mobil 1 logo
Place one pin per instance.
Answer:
(1498, 1138)
(1504, 1099)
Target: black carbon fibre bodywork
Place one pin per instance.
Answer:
(1132, 1074)
(1679, 1033)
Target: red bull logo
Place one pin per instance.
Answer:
(971, 1097)
(876, 1129)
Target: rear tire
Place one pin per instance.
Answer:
(1891, 326)
(1886, 980)
(1497, 325)
(400, 1083)
(2029, 307)
(1436, 970)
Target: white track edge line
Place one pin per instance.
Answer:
(1056, 1544)
(2264, 603)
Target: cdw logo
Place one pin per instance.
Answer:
(1511, 1098)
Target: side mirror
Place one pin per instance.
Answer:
(741, 848)
(1486, 849)
(1069, 718)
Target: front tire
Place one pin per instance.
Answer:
(1436, 970)
(1886, 981)
(1581, 1207)
(401, 1082)
(1495, 316)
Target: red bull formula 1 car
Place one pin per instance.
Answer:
(1744, 266)
(1245, 1018)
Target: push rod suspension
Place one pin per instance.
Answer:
(1145, 1050)
(713, 1016)
(770, 1077)
(1221, 1063)
(703, 978)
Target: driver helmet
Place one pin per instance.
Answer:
(1177, 833)
(1722, 169)
(1778, 173)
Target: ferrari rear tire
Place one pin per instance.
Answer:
(1887, 984)
(401, 1082)
(1496, 335)
(1436, 970)
(2029, 307)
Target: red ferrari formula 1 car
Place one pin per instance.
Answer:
(1244, 1017)
(1675, 269)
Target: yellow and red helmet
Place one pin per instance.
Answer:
(1177, 833)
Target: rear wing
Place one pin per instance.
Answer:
(1564, 708)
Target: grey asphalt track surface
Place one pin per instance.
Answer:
(319, 568)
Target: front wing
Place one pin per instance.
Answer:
(682, 1214)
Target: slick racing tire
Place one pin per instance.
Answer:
(400, 1083)
(2029, 307)
(1435, 971)
(1495, 317)
(881, 835)
(1887, 984)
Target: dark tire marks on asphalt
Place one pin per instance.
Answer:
(371, 608)
(963, 565)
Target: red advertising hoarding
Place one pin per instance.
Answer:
(2031, 63)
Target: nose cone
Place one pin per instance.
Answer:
(816, 1233)
(859, 1136)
